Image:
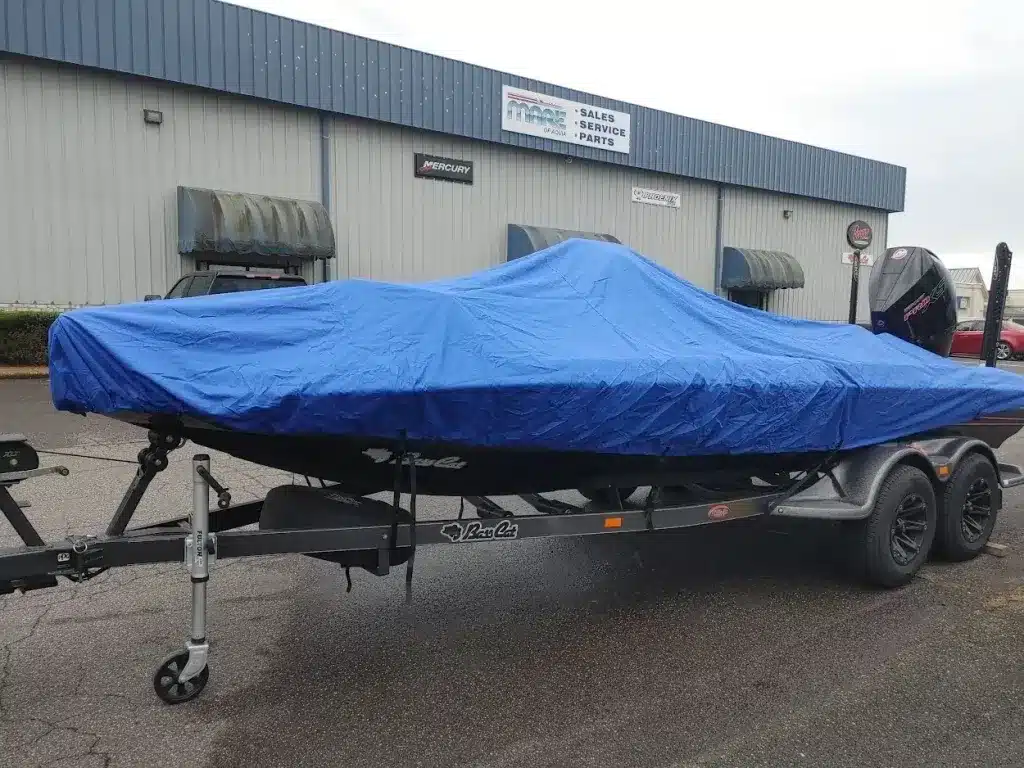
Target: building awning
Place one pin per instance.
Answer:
(524, 239)
(240, 228)
(752, 270)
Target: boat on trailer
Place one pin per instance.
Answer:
(581, 367)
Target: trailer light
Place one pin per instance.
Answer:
(613, 522)
(943, 470)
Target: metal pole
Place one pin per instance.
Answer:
(854, 287)
(325, 175)
(996, 304)
(717, 280)
(199, 567)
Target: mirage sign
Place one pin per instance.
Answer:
(547, 117)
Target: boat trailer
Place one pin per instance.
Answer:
(898, 499)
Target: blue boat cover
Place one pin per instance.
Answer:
(583, 346)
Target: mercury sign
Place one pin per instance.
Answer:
(547, 117)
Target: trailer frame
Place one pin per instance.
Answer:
(848, 491)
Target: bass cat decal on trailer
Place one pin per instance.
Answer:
(458, 533)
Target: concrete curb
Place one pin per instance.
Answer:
(24, 372)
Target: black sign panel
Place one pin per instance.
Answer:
(858, 235)
(449, 169)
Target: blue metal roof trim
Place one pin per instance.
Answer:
(212, 44)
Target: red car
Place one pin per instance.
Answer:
(968, 335)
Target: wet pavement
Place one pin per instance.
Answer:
(735, 645)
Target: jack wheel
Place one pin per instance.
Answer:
(166, 685)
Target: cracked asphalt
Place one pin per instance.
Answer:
(727, 646)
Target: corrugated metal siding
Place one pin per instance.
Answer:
(816, 235)
(391, 225)
(87, 203)
(976, 302)
(225, 47)
(966, 275)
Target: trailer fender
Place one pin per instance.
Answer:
(852, 489)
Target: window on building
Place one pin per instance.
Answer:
(755, 299)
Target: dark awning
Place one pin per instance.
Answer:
(524, 239)
(751, 270)
(244, 228)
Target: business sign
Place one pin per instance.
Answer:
(859, 235)
(547, 117)
(656, 197)
(433, 167)
(866, 259)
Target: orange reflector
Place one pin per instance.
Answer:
(943, 470)
(613, 522)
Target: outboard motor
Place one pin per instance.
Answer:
(912, 297)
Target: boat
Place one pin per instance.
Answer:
(585, 365)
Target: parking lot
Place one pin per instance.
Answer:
(735, 645)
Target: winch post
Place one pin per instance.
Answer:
(152, 460)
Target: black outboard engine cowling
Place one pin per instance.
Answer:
(912, 297)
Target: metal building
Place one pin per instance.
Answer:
(117, 121)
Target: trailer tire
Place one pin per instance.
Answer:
(966, 515)
(893, 543)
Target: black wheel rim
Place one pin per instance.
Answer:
(167, 685)
(906, 536)
(977, 511)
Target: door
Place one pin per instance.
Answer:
(967, 338)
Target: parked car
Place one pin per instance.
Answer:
(208, 282)
(969, 334)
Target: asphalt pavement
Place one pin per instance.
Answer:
(735, 645)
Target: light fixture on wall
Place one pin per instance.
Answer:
(787, 214)
(153, 116)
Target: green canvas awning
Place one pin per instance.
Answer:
(244, 228)
(524, 239)
(746, 269)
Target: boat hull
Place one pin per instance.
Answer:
(366, 466)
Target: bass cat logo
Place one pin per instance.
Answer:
(718, 512)
(458, 533)
(384, 456)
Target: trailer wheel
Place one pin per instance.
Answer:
(893, 543)
(967, 513)
(606, 496)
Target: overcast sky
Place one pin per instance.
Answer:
(937, 87)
